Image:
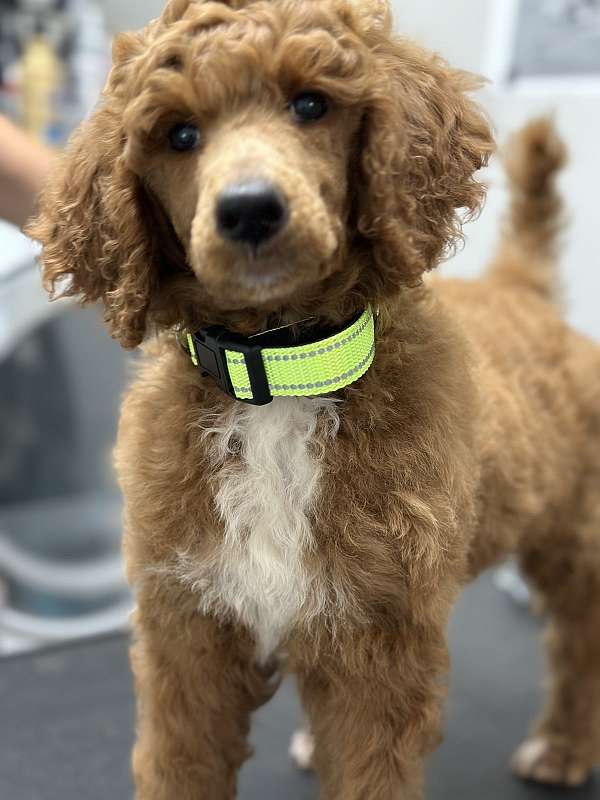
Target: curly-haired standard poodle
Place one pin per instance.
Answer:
(265, 183)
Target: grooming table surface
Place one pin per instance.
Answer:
(66, 718)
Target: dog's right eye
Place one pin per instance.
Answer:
(184, 137)
(309, 106)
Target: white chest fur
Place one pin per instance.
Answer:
(265, 498)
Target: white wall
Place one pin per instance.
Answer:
(467, 32)
(455, 28)
(130, 14)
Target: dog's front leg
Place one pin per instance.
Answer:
(376, 715)
(197, 683)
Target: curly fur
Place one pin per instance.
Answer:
(266, 503)
(421, 139)
(333, 537)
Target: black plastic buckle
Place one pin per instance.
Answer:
(210, 345)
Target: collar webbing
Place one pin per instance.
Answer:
(254, 370)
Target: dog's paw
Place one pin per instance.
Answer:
(302, 748)
(541, 761)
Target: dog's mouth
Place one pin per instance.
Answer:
(262, 270)
(262, 276)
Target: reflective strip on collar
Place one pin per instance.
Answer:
(311, 369)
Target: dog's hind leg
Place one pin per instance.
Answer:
(302, 748)
(564, 746)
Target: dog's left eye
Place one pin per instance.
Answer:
(309, 106)
(184, 137)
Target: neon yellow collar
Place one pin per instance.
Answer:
(257, 368)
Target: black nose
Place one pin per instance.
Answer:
(251, 212)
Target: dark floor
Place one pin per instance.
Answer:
(66, 718)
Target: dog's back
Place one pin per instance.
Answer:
(538, 440)
(539, 380)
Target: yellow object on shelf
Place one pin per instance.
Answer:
(42, 75)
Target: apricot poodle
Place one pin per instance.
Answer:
(291, 166)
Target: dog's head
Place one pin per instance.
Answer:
(259, 159)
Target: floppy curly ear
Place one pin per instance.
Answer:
(424, 139)
(95, 243)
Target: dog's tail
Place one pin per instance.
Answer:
(528, 252)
